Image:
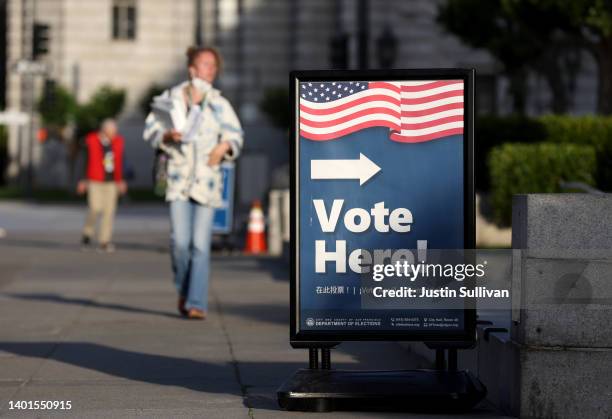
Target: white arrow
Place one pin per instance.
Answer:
(362, 169)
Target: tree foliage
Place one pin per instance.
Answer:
(106, 102)
(58, 108)
(147, 98)
(275, 105)
(545, 36)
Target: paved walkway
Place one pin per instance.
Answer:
(101, 330)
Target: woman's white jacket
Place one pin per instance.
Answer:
(188, 174)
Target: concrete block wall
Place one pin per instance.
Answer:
(565, 303)
(564, 382)
(556, 359)
(562, 333)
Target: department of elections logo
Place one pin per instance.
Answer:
(310, 322)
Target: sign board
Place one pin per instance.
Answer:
(224, 215)
(381, 172)
(14, 117)
(29, 67)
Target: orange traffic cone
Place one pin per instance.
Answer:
(256, 238)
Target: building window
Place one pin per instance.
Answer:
(124, 19)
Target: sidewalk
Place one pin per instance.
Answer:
(101, 330)
(24, 217)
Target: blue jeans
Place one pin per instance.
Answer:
(191, 225)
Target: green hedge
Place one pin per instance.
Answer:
(492, 131)
(588, 130)
(595, 131)
(592, 130)
(536, 168)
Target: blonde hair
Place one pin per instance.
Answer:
(194, 51)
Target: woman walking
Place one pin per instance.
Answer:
(194, 180)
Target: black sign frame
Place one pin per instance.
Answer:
(302, 338)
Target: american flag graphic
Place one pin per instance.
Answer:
(414, 111)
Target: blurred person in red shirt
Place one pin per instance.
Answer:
(103, 181)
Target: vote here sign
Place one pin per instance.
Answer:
(382, 168)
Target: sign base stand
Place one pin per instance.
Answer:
(325, 390)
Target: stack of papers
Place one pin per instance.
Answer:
(166, 113)
(172, 116)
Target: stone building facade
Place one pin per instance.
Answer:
(134, 44)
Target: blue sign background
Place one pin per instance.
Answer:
(426, 178)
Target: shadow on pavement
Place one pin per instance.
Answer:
(154, 369)
(121, 245)
(269, 313)
(57, 298)
(40, 244)
(277, 267)
(59, 245)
